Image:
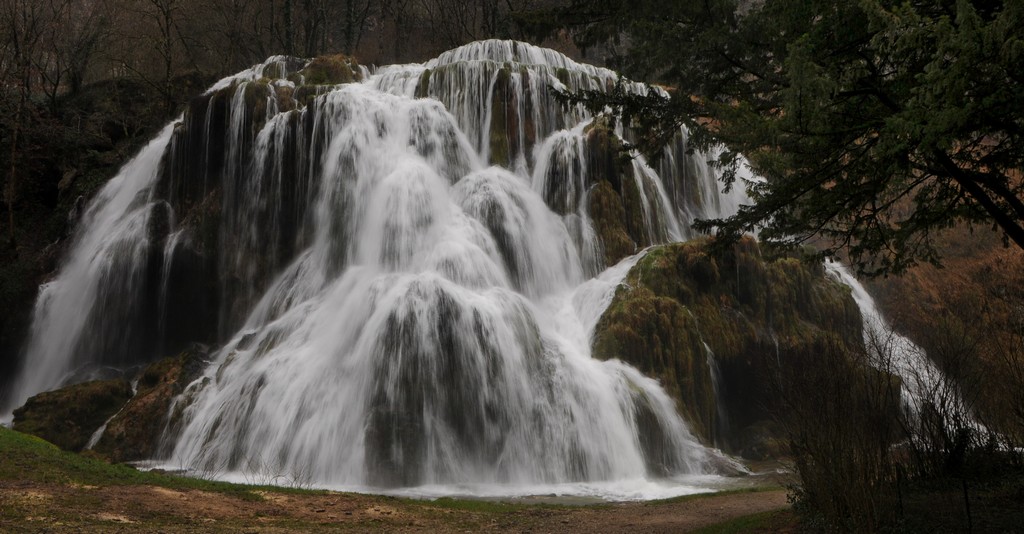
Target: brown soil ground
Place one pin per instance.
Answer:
(41, 507)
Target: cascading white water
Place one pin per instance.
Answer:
(411, 315)
(922, 382)
(111, 245)
(447, 350)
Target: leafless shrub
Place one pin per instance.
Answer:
(841, 414)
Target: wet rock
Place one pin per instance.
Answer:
(331, 70)
(69, 416)
(134, 434)
(614, 200)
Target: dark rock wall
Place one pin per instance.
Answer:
(68, 417)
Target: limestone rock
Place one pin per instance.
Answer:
(712, 329)
(134, 433)
(69, 416)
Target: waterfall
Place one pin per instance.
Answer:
(80, 316)
(922, 383)
(403, 275)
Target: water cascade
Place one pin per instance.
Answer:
(107, 267)
(922, 383)
(402, 273)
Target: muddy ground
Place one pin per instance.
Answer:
(42, 507)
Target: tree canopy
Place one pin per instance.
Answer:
(875, 123)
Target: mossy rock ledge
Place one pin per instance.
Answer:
(135, 432)
(613, 201)
(614, 198)
(135, 421)
(749, 308)
(68, 417)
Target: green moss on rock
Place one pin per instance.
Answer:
(423, 87)
(511, 133)
(659, 336)
(680, 300)
(529, 128)
(305, 94)
(331, 70)
(609, 219)
(615, 203)
(562, 74)
(256, 95)
(274, 71)
(504, 119)
(68, 417)
(134, 434)
(285, 98)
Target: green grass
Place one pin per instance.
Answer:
(28, 458)
(695, 496)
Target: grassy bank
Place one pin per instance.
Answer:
(45, 488)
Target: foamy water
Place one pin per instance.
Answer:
(431, 330)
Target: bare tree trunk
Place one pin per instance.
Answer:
(312, 26)
(364, 18)
(322, 13)
(22, 23)
(289, 29)
(349, 25)
(11, 191)
(165, 23)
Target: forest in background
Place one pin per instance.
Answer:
(85, 82)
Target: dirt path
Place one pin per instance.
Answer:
(66, 508)
(679, 516)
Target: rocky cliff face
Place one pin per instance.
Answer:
(716, 329)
